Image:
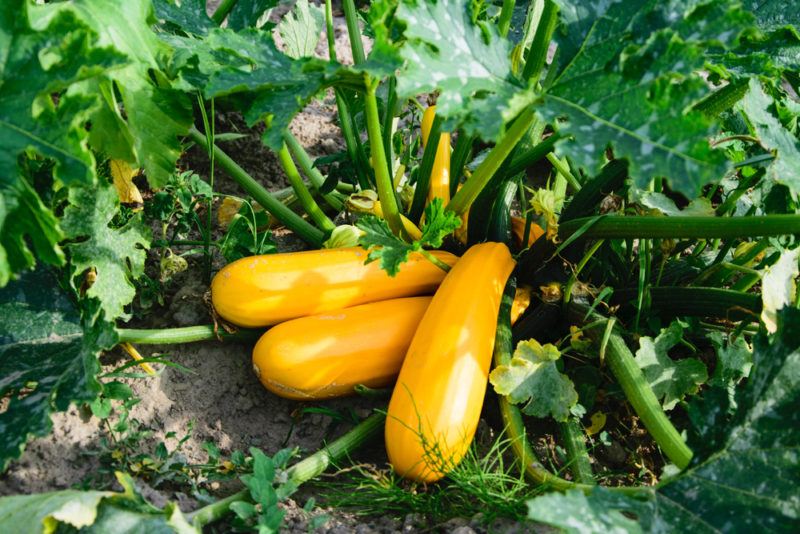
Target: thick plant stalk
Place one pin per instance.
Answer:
(578, 457)
(306, 231)
(302, 471)
(314, 176)
(223, 10)
(383, 180)
(644, 227)
(512, 418)
(638, 391)
(464, 198)
(186, 334)
(504, 21)
(353, 31)
(310, 205)
(698, 301)
(541, 42)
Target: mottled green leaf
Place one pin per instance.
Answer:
(116, 254)
(576, 513)
(248, 13)
(760, 111)
(699, 207)
(531, 377)
(734, 359)
(48, 357)
(746, 483)
(631, 84)
(300, 29)
(670, 379)
(773, 14)
(190, 16)
(470, 67)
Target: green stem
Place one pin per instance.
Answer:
(541, 42)
(524, 158)
(303, 195)
(424, 172)
(512, 418)
(353, 32)
(475, 184)
(302, 471)
(504, 22)
(564, 171)
(294, 222)
(338, 450)
(383, 179)
(645, 227)
(461, 154)
(223, 10)
(698, 301)
(434, 260)
(185, 334)
(638, 390)
(577, 455)
(314, 176)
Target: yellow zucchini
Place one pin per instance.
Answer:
(440, 173)
(518, 231)
(266, 290)
(436, 403)
(326, 355)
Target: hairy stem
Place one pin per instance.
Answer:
(464, 198)
(644, 227)
(310, 205)
(223, 10)
(315, 177)
(577, 455)
(307, 232)
(504, 21)
(383, 179)
(351, 17)
(185, 334)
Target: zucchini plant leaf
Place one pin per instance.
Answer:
(190, 16)
(759, 108)
(35, 63)
(779, 287)
(300, 29)
(91, 511)
(470, 66)
(48, 357)
(744, 483)
(734, 360)
(117, 255)
(670, 379)
(382, 244)
(392, 251)
(150, 117)
(632, 82)
(531, 377)
(249, 13)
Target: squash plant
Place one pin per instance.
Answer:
(652, 145)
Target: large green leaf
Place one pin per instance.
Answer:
(631, 83)
(748, 483)
(760, 110)
(151, 115)
(190, 16)
(247, 13)
(773, 14)
(34, 65)
(48, 357)
(90, 511)
(472, 69)
(116, 254)
(300, 29)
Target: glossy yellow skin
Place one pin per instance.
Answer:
(327, 355)
(440, 173)
(266, 290)
(438, 397)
